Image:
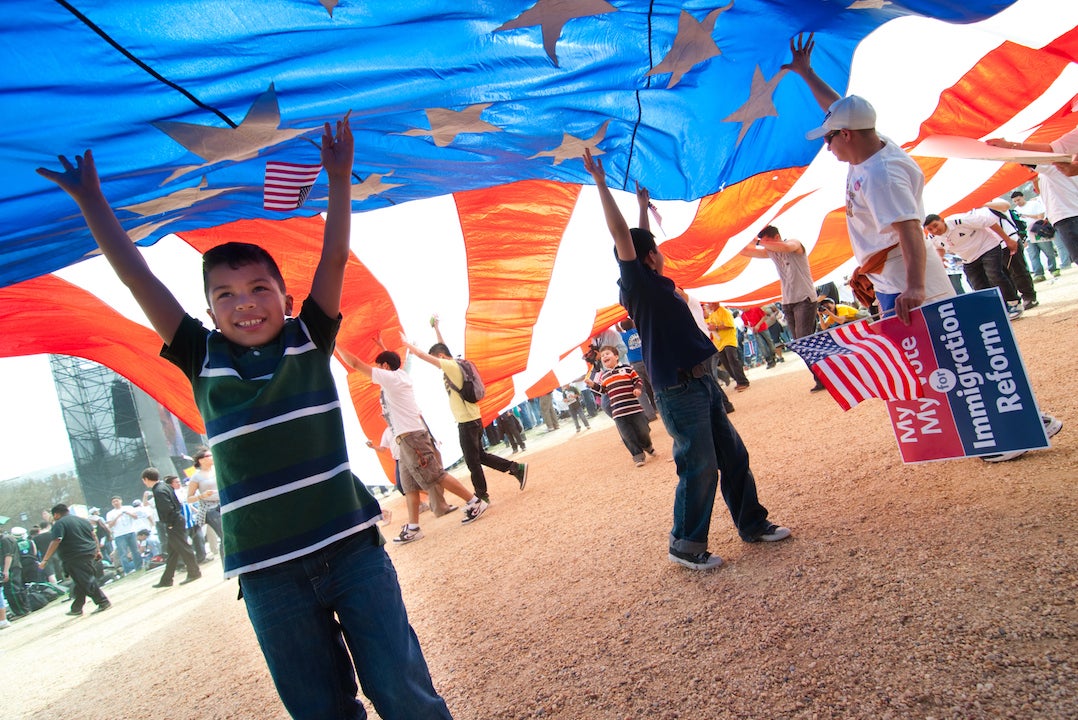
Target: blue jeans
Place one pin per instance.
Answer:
(1066, 240)
(1034, 250)
(310, 613)
(635, 434)
(128, 545)
(709, 454)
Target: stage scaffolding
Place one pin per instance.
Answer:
(115, 431)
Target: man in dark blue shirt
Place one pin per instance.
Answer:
(677, 354)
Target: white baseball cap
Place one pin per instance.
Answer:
(848, 113)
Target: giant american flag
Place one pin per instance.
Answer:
(469, 194)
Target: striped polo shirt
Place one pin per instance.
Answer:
(618, 384)
(273, 419)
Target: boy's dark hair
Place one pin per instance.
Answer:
(628, 324)
(643, 242)
(170, 478)
(236, 255)
(929, 219)
(439, 349)
(116, 497)
(611, 348)
(1017, 193)
(769, 231)
(390, 358)
(151, 474)
(59, 509)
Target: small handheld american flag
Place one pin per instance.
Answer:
(287, 185)
(854, 363)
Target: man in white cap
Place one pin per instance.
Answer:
(884, 209)
(884, 206)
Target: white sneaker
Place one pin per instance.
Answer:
(408, 535)
(473, 511)
(5, 624)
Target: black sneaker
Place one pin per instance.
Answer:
(103, 608)
(521, 474)
(772, 533)
(695, 561)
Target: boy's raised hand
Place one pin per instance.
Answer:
(338, 152)
(594, 167)
(643, 197)
(78, 180)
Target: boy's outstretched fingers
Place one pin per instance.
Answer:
(73, 178)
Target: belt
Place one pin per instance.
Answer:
(698, 370)
(404, 435)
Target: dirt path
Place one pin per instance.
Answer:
(944, 590)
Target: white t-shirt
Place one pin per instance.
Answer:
(389, 443)
(397, 386)
(125, 524)
(1067, 143)
(885, 189)
(1030, 212)
(207, 486)
(1059, 192)
(969, 235)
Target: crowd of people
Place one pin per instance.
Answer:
(175, 518)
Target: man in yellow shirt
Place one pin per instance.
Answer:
(720, 322)
(832, 314)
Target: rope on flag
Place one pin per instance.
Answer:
(287, 185)
(855, 363)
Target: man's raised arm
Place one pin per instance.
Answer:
(619, 229)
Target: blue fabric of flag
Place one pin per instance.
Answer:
(183, 103)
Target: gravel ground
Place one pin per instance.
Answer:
(943, 590)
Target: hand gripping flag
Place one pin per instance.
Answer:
(287, 185)
(855, 363)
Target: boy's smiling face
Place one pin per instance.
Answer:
(247, 304)
(608, 359)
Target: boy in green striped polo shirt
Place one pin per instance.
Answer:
(301, 530)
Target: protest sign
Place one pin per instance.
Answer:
(977, 397)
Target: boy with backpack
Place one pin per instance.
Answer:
(469, 423)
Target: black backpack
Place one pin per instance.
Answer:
(471, 389)
(1043, 229)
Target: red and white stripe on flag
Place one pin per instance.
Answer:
(854, 364)
(287, 185)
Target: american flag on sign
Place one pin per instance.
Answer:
(854, 364)
(287, 185)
